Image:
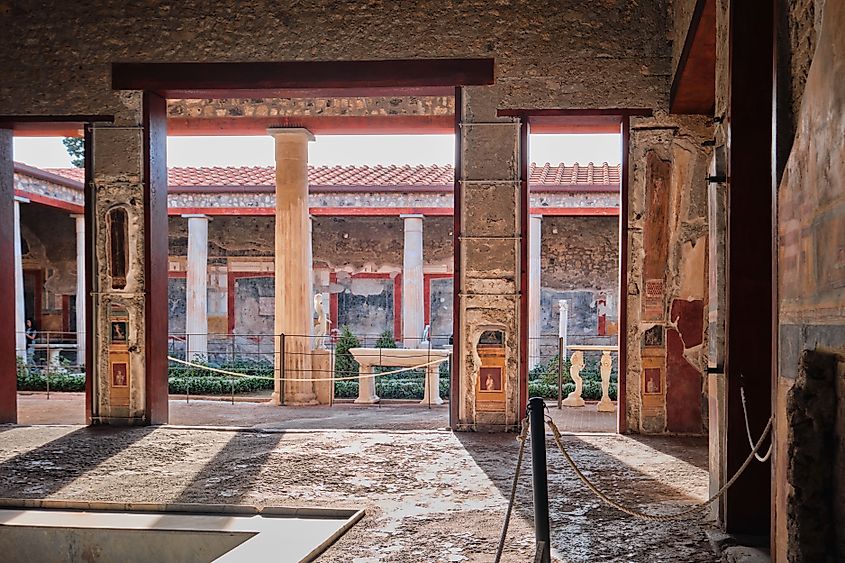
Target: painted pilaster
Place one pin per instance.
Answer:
(413, 294)
(80, 288)
(293, 301)
(196, 322)
(534, 317)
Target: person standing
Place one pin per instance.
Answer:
(31, 336)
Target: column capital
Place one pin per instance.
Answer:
(282, 131)
(411, 216)
(196, 216)
(536, 216)
(20, 199)
(77, 216)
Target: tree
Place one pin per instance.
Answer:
(75, 147)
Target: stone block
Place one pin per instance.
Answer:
(490, 151)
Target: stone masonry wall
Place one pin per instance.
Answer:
(295, 107)
(667, 288)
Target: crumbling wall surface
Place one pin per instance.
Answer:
(118, 183)
(536, 46)
(298, 107)
(811, 244)
(810, 450)
(50, 236)
(580, 253)
(489, 266)
(682, 11)
(667, 290)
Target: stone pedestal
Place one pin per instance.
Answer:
(605, 404)
(293, 302)
(20, 311)
(413, 293)
(431, 395)
(196, 288)
(321, 363)
(535, 324)
(80, 289)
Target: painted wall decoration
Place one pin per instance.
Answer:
(118, 246)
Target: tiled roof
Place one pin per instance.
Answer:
(375, 176)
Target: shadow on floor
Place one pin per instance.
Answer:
(42, 471)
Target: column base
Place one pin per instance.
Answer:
(301, 399)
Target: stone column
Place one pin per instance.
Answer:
(20, 305)
(293, 301)
(80, 289)
(196, 290)
(535, 320)
(413, 293)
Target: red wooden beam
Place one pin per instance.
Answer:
(457, 287)
(385, 211)
(750, 322)
(524, 287)
(155, 256)
(50, 126)
(51, 202)
(317, 124)
(256, 79)
(694, 84)
(622, 331)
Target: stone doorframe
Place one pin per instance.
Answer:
(611, 120)
(44, 126)
(160, 81)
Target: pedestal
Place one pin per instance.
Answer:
(366, 386)
(432, 386)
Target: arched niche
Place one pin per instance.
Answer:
(117, 222)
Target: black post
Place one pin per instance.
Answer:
(536, 408)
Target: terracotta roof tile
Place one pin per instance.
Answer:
(392, 175)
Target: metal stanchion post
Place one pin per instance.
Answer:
(49, 367)
(541, 486)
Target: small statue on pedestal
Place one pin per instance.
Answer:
(321, 325)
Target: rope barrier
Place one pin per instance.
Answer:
(523, 437)
(344, 378)
(697, 508)
(768, 454)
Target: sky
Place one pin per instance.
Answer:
(48, 152)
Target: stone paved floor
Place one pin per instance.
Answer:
(429, 495)
(68, 408)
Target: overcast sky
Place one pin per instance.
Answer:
(336, 149)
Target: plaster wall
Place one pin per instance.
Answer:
(667, 287)
(811, 286)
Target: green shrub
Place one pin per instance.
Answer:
(36, 380)
(591, 390)
(386, 340)
(344, 364)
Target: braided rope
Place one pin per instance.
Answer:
(345, 378)
(687, 513)
(523, 437)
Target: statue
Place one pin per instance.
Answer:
(577, 364)
(321, 325)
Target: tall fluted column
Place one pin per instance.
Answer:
(196, 292)
(535, 320)
(413, 294)
(293, 302)
(80, 289)
(20, 310)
